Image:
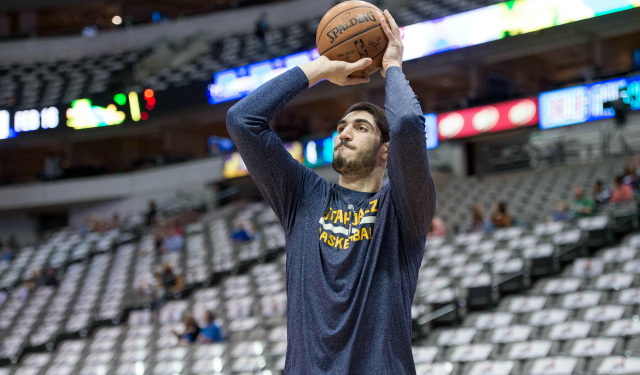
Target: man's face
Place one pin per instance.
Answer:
(357, 146)
(578, 192)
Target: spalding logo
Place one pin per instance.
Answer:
(362, 18)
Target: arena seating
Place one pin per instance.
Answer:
(531, 197)
(516, 301)
(50, 83)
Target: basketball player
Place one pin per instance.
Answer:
(353, 248)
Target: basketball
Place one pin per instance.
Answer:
(351, 31)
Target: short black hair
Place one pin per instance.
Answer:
(378, 115)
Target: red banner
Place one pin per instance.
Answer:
(488, 119)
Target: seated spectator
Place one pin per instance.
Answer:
(581, 206)
(211, 332)
(240, 235)
(476, 224)
(630, 177)
(173, 240)
(191, 330)
(562, 212)
(32, 283)
(49, 278)
(115, 221)
(437, 228)
(168, 278)
(7, 253)
(151, 214)
(601, 195)
(13, 243)
(255, 234)
(621, 192)
(499, 216)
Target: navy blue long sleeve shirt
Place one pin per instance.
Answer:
(352, 257)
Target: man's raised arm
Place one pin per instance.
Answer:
(410, 180)
(280, 178)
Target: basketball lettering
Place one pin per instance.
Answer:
(363, 18)
(350, 31)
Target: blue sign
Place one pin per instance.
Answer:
(585, 103)
(238, 83)
(431, 128)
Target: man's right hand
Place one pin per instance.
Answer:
(334, 71)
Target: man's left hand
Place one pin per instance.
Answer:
(393, 54)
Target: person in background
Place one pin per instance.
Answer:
(561, 213)
(6, 252)
(437, 228)
(500, 218)
(49, 278)
(582, 205)
(173, 241)
(32, 283)
(600, 194)
(630, 177)
(621, 192)
(151, 213)
(240, 235)
(191, 330)
(168, 277)
(52, 167)
(476, 224)
(262, 29)
(211, 332)
(13, 242)
(115, 221)
(254, 233)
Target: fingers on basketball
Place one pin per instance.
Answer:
(360, 64)
(392, 23)
(356, 80)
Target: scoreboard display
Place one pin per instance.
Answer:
(81, 114)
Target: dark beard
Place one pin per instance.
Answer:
(360, 164)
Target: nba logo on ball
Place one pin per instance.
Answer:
(351, 31)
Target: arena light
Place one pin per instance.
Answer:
(134, 105)
(585, 103)
(453, 32)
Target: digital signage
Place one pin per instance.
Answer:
(499, 21)
(233, 166)
(576, 105)
(318, 153)
(27, 120)
(237, 83)
(83, 114)
(448, 33)
(431, 129)
(488, 119)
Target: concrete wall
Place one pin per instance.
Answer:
(214, 25)
(189, 175)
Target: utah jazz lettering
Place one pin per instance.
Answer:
(362, 18)
(341, 228)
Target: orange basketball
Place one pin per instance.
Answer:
(351, 31)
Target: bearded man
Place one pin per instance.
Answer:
(353, 248)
